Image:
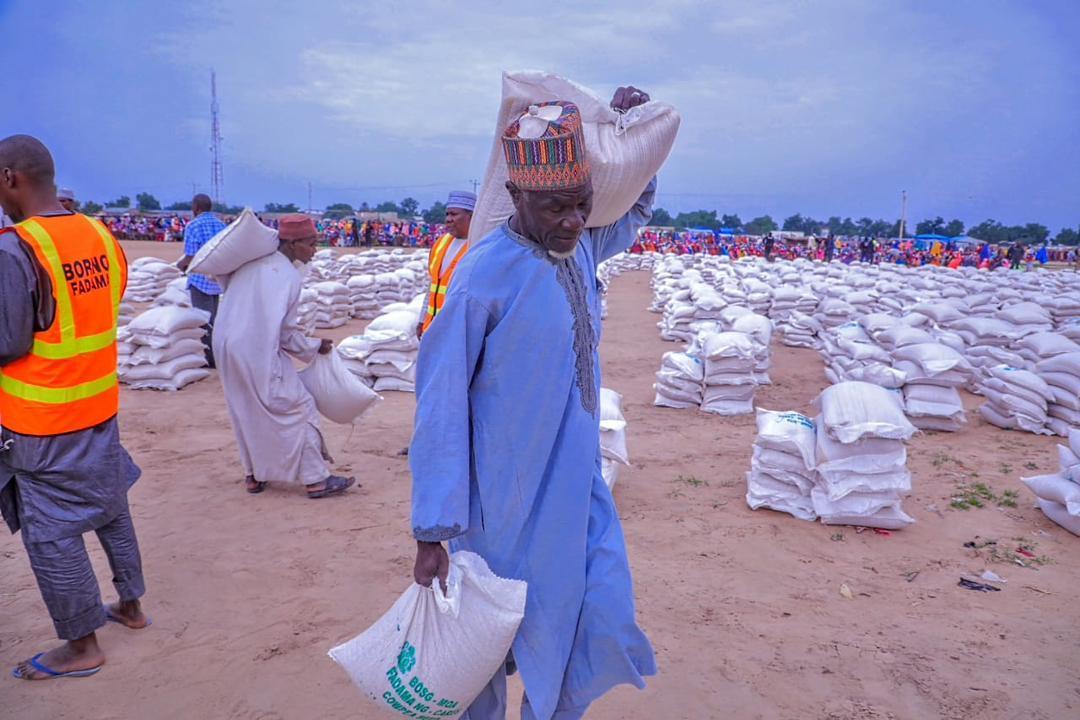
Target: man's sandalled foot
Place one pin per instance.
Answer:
(72, 656)
(128, 613)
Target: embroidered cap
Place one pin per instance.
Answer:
(296, 226)
(65, 194)
(545, 148)
(461, 199)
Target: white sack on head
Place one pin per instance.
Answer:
(624, 150)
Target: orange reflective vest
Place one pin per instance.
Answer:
(440, 280)
(67, 382)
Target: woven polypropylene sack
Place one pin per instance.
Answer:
(430, 655)
(245, 239)
(624, 150)
(338, 394)
(852, 410)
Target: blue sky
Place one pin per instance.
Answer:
(822, 108)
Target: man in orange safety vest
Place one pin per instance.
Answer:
(63, 471)
(446, 253)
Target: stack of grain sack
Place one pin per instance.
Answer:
(1016, 399)
(1062, 376)
(384, 356)
(1059, 494)
(363, 292)
(861, 459)
(680, 381)
(334, 304)
(612, 436)
(175, 293)
(147, 278)
(162, 349)
(731, 359)
(782, 473)
(933, 373)
(307, 310)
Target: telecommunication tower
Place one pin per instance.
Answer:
(217, 181)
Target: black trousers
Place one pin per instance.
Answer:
(209, 303)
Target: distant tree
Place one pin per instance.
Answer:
(182, 205)
(931, 227)
(121, 202)
(835, 225)
(223, 209)
(409, 207)
(387, 207)
(661, 218)
(989, 230)
(1067, 236)
(761, 225)
(436, 213)
(698, 218)
(848, 227)
(954, 228)
(894, 230)
(864, 226)
(281, 208)
(881, 228)
(731, 221)
(1034, 233)
(338, 211)
(146, 201)
(364, 207)
(90, 208)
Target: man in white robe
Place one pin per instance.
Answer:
(273, 415)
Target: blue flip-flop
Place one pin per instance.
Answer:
(53, 673)
(113, 619)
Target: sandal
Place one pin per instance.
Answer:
(335, 485)
(257, 488)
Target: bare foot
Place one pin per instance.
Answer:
(74, 655)
(129, 614)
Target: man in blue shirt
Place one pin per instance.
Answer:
(204, 291)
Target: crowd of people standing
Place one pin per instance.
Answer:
(848, 250)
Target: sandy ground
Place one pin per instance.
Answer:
(744, 609)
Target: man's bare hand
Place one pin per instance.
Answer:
(628, 97)
(326, 346)
(431, 561)
(419, 330)
(183, 263)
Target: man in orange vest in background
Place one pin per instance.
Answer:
(446, 253)
(63, 471)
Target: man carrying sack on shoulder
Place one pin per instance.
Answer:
(446, 253)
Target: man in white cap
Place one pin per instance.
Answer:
(446, 253)
(66, 198)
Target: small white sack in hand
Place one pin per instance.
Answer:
(431, 655)
(338, 394)
(243, 240)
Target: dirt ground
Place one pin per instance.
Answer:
(744, 608)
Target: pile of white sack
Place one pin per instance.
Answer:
(1059, 493)
(782, 472)
(680, 381)
(1016, 399)
(933, 373)
(307, 310)
(384, 356)
(334, 304)
(162, 349)
(1061, 373)
(731, 360)
(147, 278)
(861, 459)
(175, 293)
(612, 436)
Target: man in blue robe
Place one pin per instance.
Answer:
(505, 455)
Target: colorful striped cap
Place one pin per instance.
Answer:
(545, 148)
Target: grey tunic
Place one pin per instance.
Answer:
(62, 485)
